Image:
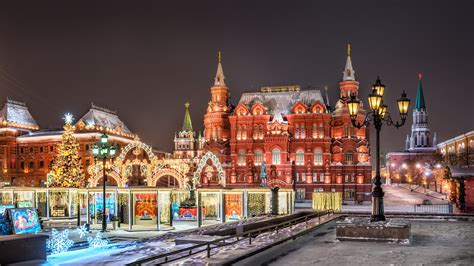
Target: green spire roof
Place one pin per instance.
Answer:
(420, 99)
(187, 124)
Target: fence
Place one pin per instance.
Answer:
(229, 240)
(434, 208)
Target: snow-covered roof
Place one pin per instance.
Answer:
(99, 116)
(281, 101)
(16, 114)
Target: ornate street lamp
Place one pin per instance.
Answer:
(378, 114)
(103, 151)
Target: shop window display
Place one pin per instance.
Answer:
(109, 205)
(233, 207)
(59, 203)
(145, 208)
(258, 204)
(6, 197)
(164, 201)
(211, 203)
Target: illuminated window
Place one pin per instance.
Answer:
(318, 157)
(244, 132)
(297, 131)
(299, 157)
(258, 157)
(241, 157)
(303, 134)
(321, 177)
(276, 157)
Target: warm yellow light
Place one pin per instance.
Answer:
(403, 104)
(353, 106)
(374, 100)
(379, 87)
(382, 110)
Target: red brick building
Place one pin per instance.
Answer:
(295, 134)
(26, 151)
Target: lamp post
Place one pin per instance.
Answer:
(378, 114)
(103, 151)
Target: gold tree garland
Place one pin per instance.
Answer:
(66, 169)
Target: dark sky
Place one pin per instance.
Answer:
(146, 58)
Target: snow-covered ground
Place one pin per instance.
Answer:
(130, 251)
(433, 242)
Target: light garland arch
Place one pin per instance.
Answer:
(152, 169)
(202, 163)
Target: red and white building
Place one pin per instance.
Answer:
(301, 140)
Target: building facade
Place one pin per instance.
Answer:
(458, 154)
(27, 152)
(287, 137)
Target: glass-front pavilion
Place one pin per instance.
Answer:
(148, 208)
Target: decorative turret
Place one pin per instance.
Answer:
(187, 124)
(420, 133)
(219, 79)
(349, 73)
(186, 146)
(216, 123)
(420, 98)
(348, 86)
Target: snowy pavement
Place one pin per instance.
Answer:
(432, 242)
(129, 251)
(399, 199)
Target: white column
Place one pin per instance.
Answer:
(130, 210)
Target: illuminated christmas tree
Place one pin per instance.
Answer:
(67, 170)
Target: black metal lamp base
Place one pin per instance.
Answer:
(377, 218)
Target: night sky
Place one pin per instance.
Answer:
(145, 59)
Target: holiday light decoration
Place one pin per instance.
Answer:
(323, 201)
(59, 241)
(97, 241)
(67, 170)
(82, 230)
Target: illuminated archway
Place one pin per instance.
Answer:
(168, 172)
(202, 163)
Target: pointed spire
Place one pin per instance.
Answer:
(327, 97)
(349, 73)
(219, 80)
(187, 124)
(420, 98)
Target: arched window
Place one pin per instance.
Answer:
(318, 157)
(261, 132)
(255, 132)
(241, 157)
(276, 157)
(299, 157)
(258, 157)
(297, 131)
(303, 133)
(244, 132)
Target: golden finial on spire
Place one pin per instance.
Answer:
(186, 105)
(348, 49)
(219, 56)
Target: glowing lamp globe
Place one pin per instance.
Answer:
(95, 150)
(103, 150)
(379, 87)
(375, 100)
(112, 151)
(353, 106)
(382, 110)
(104, 139)
(403, 104)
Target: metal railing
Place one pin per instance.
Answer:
(229, 240)
(446, 208)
